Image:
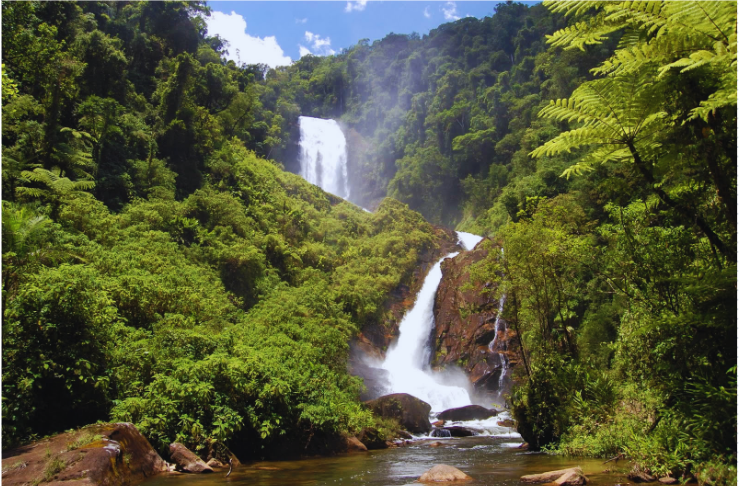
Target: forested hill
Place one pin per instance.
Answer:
(160, 266)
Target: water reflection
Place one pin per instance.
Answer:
(488, 460)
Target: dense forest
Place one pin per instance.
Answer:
(161, 267)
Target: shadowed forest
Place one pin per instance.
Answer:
(164, 265)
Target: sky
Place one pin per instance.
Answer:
(277, 33)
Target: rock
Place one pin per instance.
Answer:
(113, 454)
(549, 476)
(469, 412)
(571, 478)
(506, 423)
(457, 431)
(436, 444)
(465, 315)
(443, 472)
(405, 435)
(186, 461)
(524, 446)
(371, 439)
(354, 444)
(438, 423)
(640, 477)
(411, 413)
(214, 463)
(440, 433)
(668, 480)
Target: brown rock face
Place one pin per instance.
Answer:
(465, 315)
(354, 444)
(411, 413)
(443, 473)
(186, 461)
(101, 454)
(376, 336)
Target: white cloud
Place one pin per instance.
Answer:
(359, 6)
(301, 21)
(427, 14)
(450, 11)
(242, 46)
(319, 46)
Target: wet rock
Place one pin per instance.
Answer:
(465, 322)
(506, 423)
(469, 412)
(214, 463)
(405, 435)
(571, 478)
(443, 473)
(549, 476)
(113, 454)
(457, 431)
(668, 480)
(411, 413)
(370, 437)
(436, 444)
(440, 433)
(186, 461)
(438, 423)
(354, 444)
(641, 477)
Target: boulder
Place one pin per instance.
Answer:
(640, 477)
(443, 473)
(457, 431)
(571, 478)
(370, 437)
(668, 480)
(440, 433)
(411, 413)
(438, 423)
(469, 412)
(112, 454)
(506, 423)
(550, 476)
(354, 444)
(214, 463)
(436, 444)
(186, 461)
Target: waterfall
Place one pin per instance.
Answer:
(323, 156)
(493, 346)
(407, 361)
(468, 240)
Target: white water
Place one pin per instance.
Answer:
(407, 361)
(323, 155)
(468, 240)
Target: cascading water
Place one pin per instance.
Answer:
(500, 348)
(468, 240)
(407, 362)
(323, 157)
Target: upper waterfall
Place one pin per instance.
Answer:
(323, 156)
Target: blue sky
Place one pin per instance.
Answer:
(277, 33)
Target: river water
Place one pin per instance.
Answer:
(488, 460)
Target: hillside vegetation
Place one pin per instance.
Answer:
(160, 267)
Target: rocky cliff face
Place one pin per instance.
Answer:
(465, 318)
(373, 340)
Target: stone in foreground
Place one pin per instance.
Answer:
(550, 476)
(640, 477)
(443, 473)
(571, 478)
(469, 412)
(412, 414)
(101, 454)
(186, 461)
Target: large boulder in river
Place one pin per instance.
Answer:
(456, 431)
(443, 473)
(469, 412)
(412, 414)
(186, 461)
(465, 314)
(101, 454)
(551, 476)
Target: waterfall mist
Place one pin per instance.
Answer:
(323, 156)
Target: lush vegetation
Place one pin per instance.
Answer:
(156, 268)
(157, 271)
